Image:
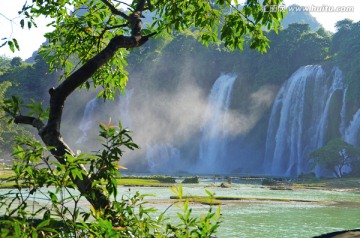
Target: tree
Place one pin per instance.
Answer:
(4, 64)
(334, 156)
(8, 131)
(16, 61)
(345, 47)
(101, 36)
(90, 42)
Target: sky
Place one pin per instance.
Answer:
(30, 40)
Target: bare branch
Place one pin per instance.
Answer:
(121, 2)
(240, 13)
(114, 10)
(140, 6)
(114, 27)
(33, 121)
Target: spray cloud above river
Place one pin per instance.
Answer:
(167, 122)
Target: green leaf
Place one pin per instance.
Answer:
(43, 224)
(11, 46)
(210, 194)
(16, 44)
(3, 44)
(22, 22)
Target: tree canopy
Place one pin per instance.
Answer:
(346, 47)
(8, 131)
(335, 156)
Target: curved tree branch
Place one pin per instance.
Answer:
(114, 10)
(35, 122)
(50, 133)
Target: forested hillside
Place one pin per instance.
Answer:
(171, 78)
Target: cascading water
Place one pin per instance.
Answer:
(353, 130)
(125, 114)
(87, 119)
(299, 119)
(214, 138)
(163, 159)
(343, 114)
(337, 84)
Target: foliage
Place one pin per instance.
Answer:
(288, 53)
(269, 182)
(345, 48)
(164, 179)
(62, 215)
(140, 182)
(4, 64)
(191, 180)
(87, 29)
(89, 45)
(24, 76)
(335, 156)
(255, 70)
(159, 178)
(8, 131)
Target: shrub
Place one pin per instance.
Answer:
(191, 180)
(61, 215)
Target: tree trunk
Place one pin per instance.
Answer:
(338, 175)
(50, 133)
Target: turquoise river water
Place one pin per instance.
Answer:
(329, 210)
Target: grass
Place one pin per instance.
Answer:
(262, 199)
(123, 182)
(142, 182)
(7, 185)
(4, 174)
(199, 199)
(335, 183)
(217, 200)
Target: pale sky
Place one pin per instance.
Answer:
(30, 40)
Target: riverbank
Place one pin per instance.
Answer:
(331, 184)
(250, 209)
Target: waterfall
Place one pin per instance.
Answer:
(352, 132)
(125, 115)
(343, 114)
(87, 119)
(120, 111)
(162, 159)
(322, 124)
(298, 121)
(214, 138)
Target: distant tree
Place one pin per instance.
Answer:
(24, 76)
(322, 32)
(345, 50)
(8, 131)
(334, 156)
(288, 53)
(16, 61)
(343, 24)
(4, 64)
